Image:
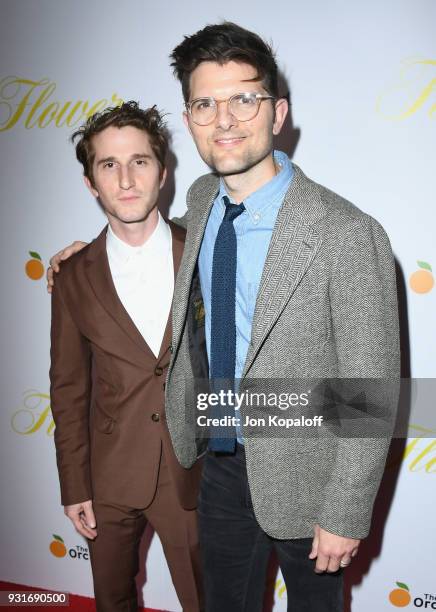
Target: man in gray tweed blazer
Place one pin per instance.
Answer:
(320, 304)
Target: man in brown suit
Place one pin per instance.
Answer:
(111, 335)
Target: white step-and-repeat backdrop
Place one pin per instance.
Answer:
(362, 77)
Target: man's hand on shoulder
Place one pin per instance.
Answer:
(83, 519)
(332, 551)
(62, 255)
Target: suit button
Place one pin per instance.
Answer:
(163, 386)
(155, 417)
(171, 348)
(158, 371)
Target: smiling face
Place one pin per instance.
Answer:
(127, 176)
(228, 146)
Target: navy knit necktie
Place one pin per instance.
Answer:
(223, 325)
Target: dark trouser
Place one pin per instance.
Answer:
(114, 552)
(235, 549)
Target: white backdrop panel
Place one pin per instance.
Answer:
(362, 81)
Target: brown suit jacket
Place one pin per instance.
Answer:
(107, 390)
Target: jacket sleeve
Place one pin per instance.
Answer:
(364, 313)
(70, 391)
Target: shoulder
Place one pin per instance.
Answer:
(340, 216)
(347, 218)
(348, 229)
(75, 266)
(204, 188)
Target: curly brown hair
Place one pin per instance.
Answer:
(149, 120)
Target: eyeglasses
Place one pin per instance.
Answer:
(243, 107)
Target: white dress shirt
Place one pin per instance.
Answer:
(144, 280)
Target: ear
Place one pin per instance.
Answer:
(281, 110)
(92, 189)
(163, 178)
(186, 121)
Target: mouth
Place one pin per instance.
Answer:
(128, 198)
(228, 142)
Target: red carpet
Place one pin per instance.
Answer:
(77, 602)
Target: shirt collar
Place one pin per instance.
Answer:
(258, 201)
(156, 246)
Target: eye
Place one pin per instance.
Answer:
(203, 104)
(245, 99)
(109, 165)
(140, 162)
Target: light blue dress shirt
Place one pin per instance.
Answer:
(253, 230)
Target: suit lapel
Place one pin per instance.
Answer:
(200, 201)
(100, 279)
(178, 237)
(294, 244)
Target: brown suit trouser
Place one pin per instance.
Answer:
(115, 551)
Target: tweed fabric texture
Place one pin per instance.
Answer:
(326, 308)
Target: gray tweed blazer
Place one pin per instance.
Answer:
(326, 307)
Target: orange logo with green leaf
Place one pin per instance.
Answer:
(57, 546)
(34, 266)
(422, 280)
(400, 597)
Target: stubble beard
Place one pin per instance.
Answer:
(223, 167)
(226, 166)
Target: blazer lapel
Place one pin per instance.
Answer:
(200, 201)
(100, 279)
(294, 244)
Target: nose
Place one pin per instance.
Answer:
(126, 178)
(224, 118)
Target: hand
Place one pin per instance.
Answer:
(63, 254)
(83, 519)
(332, 551)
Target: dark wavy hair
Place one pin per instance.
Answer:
(223, 43)
(148, 120)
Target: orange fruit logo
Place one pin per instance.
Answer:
(400, 597)
(57, 546)
(422, 280)
(34, 267)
